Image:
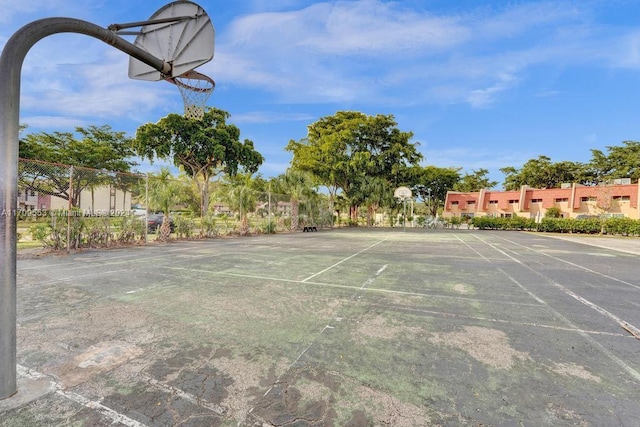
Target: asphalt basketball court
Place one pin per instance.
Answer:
(344, 327)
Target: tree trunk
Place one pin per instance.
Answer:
(353, 213)
(294, 215)
(164, 232)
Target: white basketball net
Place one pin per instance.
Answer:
(195, 89)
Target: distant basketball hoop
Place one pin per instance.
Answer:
(402, 193)
(195, 89)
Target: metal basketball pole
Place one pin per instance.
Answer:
(11, 61)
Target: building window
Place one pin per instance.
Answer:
(588, 199)
(621, 198)
(562, 200)
(536, 200)
(471, 202)
(512, 201)
(454, 203)
(493, 202)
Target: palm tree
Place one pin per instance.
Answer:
(297, 185)
(240, 195)
(164, 192)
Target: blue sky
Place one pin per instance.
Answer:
(480, 84)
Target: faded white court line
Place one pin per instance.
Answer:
(503, 321)
(635, 330)
(220, 410)
(635, 374)
(333, 285)
(346, 259)
(81, 263)
(70, 279)
(597, 273)
(106, 412)
(370, 280)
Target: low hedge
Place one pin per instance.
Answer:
(612, 226)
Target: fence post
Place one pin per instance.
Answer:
(70, 205)
(146, 208)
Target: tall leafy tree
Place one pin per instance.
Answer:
(341, 150)
(95, 147)
(543, 173)
(203, 148)
(432, 186)
(475, 181)
(621, 161)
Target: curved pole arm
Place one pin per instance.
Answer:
(11, 62)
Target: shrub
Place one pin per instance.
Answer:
(553, 212)
(586, 226)
(268, 227)
(184, 226)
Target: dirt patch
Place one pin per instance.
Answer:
(379, 327)
(246, 376)
(462, 289)
(489, 346)
(562, 413)
(389, 411)
(330, 398)
(575, 370)
(98, 358)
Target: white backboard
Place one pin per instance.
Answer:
(186, 43)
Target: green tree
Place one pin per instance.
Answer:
(239, 193)
(341, 150)
(164, 193)
(432, 186)
(619, 162)
(298, 185)
(475, 181)
(98, 147)
(543, 173)
(203, 148)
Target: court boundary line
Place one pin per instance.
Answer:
(635, 374)
(622, 323)
(57, 388)
(346, 259)
(349, 287)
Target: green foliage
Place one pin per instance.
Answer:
(345, 150)
(203, 148)
(475, 181)
(619, 162)
(130, 229)
(184, 226)
(553, 212)
(622, 226)
(432, 184)
(268, 228)
(40, 232)
(209, 227)
(99, 148)
(54, 233)
(495, 223)
(543, 173)
(612, 226)
(98, 231)
(455, 221)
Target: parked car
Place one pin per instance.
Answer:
(154, 221)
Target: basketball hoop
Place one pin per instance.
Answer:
(195, 89)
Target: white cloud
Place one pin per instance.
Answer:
(263, 117)
(370, 51)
